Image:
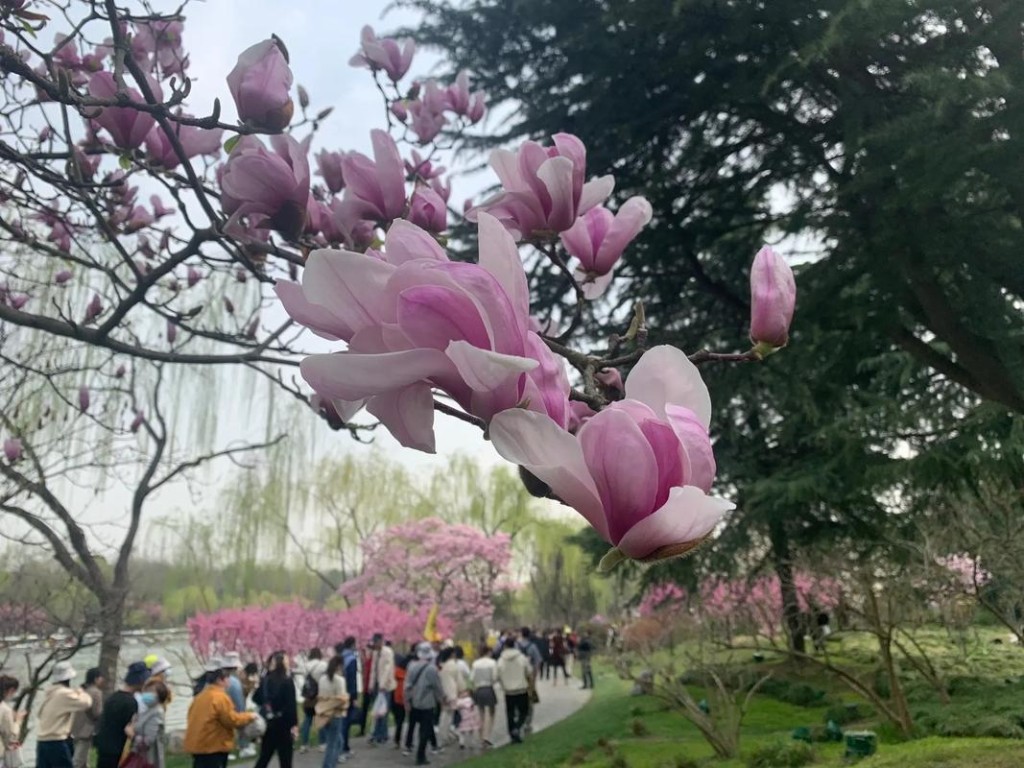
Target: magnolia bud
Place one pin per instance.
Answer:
(83, 398)
(12, 449)
(772, 300)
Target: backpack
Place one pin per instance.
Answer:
(310, 688)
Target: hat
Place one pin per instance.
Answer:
(62, 672)
(214, 664)
(377, 637)
(160, 666)
(232, 660)
(138, 673)
(151, 659)
(424, 651)
(449, 643)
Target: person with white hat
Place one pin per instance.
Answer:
(53, 726)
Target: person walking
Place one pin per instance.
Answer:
(278, 704)
(556, 658)
(332, 702)
(350, 668)
(10, 723)
(212, 721)
(483, 677)
(53, 723)
(148, 739)
(83, 724)
(382, 683)
(584, 654)
(398, 700)
(423, 694)
(118, 711)
(449, 673)
(514, 673)
(529, 648)
(314, 669)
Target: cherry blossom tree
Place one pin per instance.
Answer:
(430, 562)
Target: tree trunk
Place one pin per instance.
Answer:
(111, 624)
(783, 564)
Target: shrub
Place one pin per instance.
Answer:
(639, 727)
(781, 754)
(618, 761)
(796, 693)
(841, 714)
(579, 755)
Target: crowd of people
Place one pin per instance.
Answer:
(429, 698)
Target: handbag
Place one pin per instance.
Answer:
(137, 759)
(380, 705)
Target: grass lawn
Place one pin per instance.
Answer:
(615, 730)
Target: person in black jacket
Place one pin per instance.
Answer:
(278, 703)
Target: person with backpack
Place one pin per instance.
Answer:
(278, 705)
(423, 694)
(315, 668)
(350, 668)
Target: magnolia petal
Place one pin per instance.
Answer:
(556, 175)
(351, 376)
(318, 319)
(593, 286)
(408, 414)
(484, 370)
(536, 443)
(700, 464)
(350, 284)
(664, 375)
(405, 242)
(684, 521)
(634, 215)
(500, 257)
(595, 192)
(390, 172)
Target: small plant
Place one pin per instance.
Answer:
(639, 727)
(579, 755)
(841, 714)
(618, 761)
(781, 754)
(636, 710)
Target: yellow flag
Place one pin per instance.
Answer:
(430, 633)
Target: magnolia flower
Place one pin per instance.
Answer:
(160, 41)
(428, 210)
(329, 166)
(127, 127)
(598, 239)
(384, 54)
(375, 189)
(462, 102)
(259, 84)
(414, 320)
(639, 471)
(83, 398)
(137, 421)
(544, 190)
(93, 309)
(194, 141)
(271, 189)
(772, 299)
(62, 276)
(172, 332)
(12, 449)
(192, 276)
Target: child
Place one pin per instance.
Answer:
(469, 725)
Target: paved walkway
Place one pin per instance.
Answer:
(556, 703)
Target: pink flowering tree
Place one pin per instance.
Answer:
(665, 598)
(254, 632)
(430, 562)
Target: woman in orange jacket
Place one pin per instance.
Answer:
(212, 722)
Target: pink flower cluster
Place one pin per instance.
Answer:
(665, 598)
(425, 562)
(757, 605)
(256, 631)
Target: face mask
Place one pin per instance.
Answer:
(149, 699)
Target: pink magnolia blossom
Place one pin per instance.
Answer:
(462, 102)
(259, 84)
(62, 276)
(393, 56)
(418, 167)
(159, 210)
(84, 398)
(639, 471)
(158, 44)
(598, 239)
(329, 166)
(415, 320)
(127, 127)
(194, 141)
(93, 309)
(428, 118)
(172, 332)
(137, 421)
(18, 300)
(375, 189)
(271, 189)
(193, 276)
(12, 449)
(544, 189)
(428, 210)
(772, 299)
